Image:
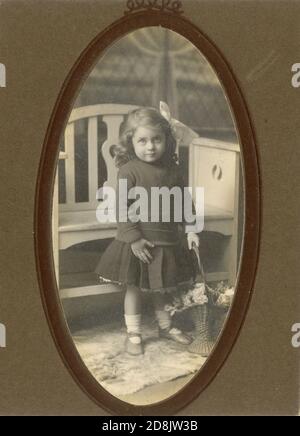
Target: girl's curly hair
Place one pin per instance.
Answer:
(143, 117)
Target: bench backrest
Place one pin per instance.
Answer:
(112, 115)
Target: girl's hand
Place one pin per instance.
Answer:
(192, 238)
(139, 249)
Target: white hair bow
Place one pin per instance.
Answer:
(182, 133)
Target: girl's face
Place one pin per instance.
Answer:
(149, 143)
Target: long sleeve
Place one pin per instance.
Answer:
(127, 231)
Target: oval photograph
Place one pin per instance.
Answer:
(148, 215)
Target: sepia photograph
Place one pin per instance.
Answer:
(148, 215)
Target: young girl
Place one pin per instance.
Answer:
(147, 256)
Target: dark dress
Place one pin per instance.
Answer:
(172, 263)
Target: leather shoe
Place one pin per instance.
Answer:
(174, 334)
(134, 344)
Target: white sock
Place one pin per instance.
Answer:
(164, 319)
(134, 325)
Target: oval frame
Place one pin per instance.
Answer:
(43, 215)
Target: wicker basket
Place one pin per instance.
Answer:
(202, 343)
(208, 319)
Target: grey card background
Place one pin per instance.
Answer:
(39, 43)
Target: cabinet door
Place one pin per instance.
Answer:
(216, 169)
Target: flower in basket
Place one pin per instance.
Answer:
(174, 306)
(198, 294)
(225, 298)
(221, 295)
(193, 297)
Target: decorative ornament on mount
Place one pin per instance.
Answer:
(174, 6)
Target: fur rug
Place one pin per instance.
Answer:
(102, 351)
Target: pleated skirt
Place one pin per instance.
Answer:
(172, 266)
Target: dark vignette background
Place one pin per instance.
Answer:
(39, 43)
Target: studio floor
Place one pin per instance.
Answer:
(159, 373)
(150, 394)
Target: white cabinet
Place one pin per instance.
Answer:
(215, 166)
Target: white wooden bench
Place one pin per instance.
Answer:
(75, 222)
